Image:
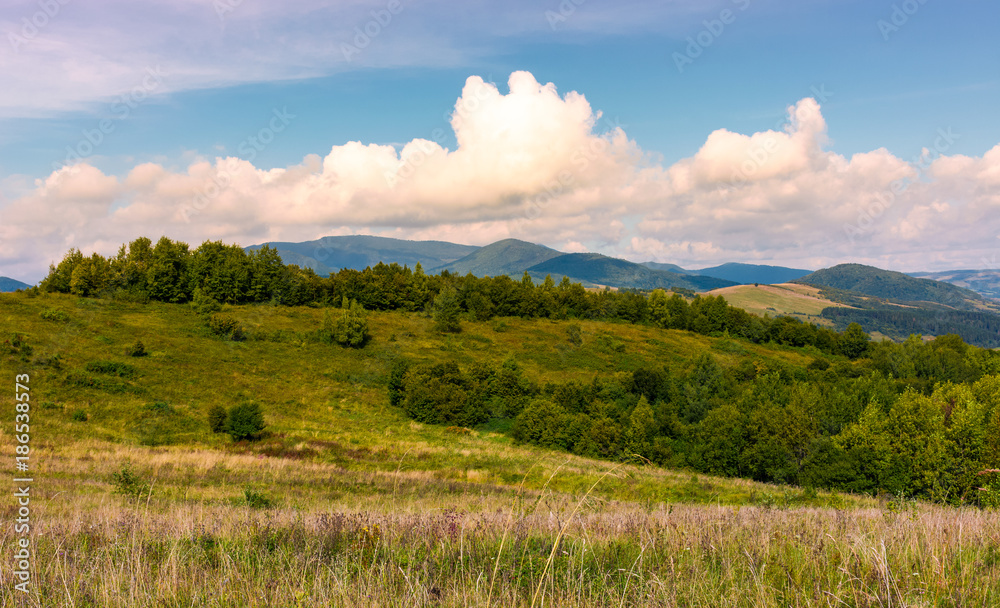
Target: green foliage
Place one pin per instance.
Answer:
(79, 415)
(446, 310)
(245, 421)
(217, 418)
(226, 327)
(51, 314)
(129, 484)
(855, 342)
(351, 328)
(574, 334)
(136, 349)
(112, 368)
(204, 304)
(256, 499)
(397, 376)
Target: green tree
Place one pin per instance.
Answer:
(446, 311)
(245, 421)
(351, 329)
(854, 343)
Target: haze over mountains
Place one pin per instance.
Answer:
(513, 257)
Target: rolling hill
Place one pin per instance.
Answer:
(7, 285)
(746, 274)
(331, 253)
(603, 270)
(507, 257)
(878, 283)
(803, 302)
(985, 282)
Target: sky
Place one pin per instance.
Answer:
(805, 133)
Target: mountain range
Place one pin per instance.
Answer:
(7, 284)
(513, 257)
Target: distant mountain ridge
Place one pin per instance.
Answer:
(891, 285)
(507, 257)
(331, 253)
(603, 270)
(8, 284)
(745, 274)
(985, 282)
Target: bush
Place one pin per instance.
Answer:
(128, 484)
(79, 416)
(226, 327)
(111, 368)
(257, 500)
(351, 329)
(204, 304)
(446, 310)
(574, 334)
(137, 349)
(245, 421)
(51, 314)
(217, 417)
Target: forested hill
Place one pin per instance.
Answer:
(887, 284)
(8, 284)
(604, 270)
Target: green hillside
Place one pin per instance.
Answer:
(509, 257)
(487, 442)
(887, 284)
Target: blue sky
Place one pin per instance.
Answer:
(181, 86)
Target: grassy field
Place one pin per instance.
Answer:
(788, 299)
(349, 503)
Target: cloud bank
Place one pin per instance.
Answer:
(546, 167)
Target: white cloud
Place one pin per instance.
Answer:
(537, 165)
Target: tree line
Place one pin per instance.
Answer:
(170, 271)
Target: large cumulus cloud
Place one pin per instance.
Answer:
(543, 166)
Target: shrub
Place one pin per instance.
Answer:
(204, 304)
(446, 310)
(226, 327)
(257, 500)
(51, 314)
(351, 329)
(79, 416)
(137, 349)
(575, 335)
(245, 421)
(111, 368)
(17, 345)
(128, 484)
(217, 417)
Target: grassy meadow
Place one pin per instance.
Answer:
(347, 502)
